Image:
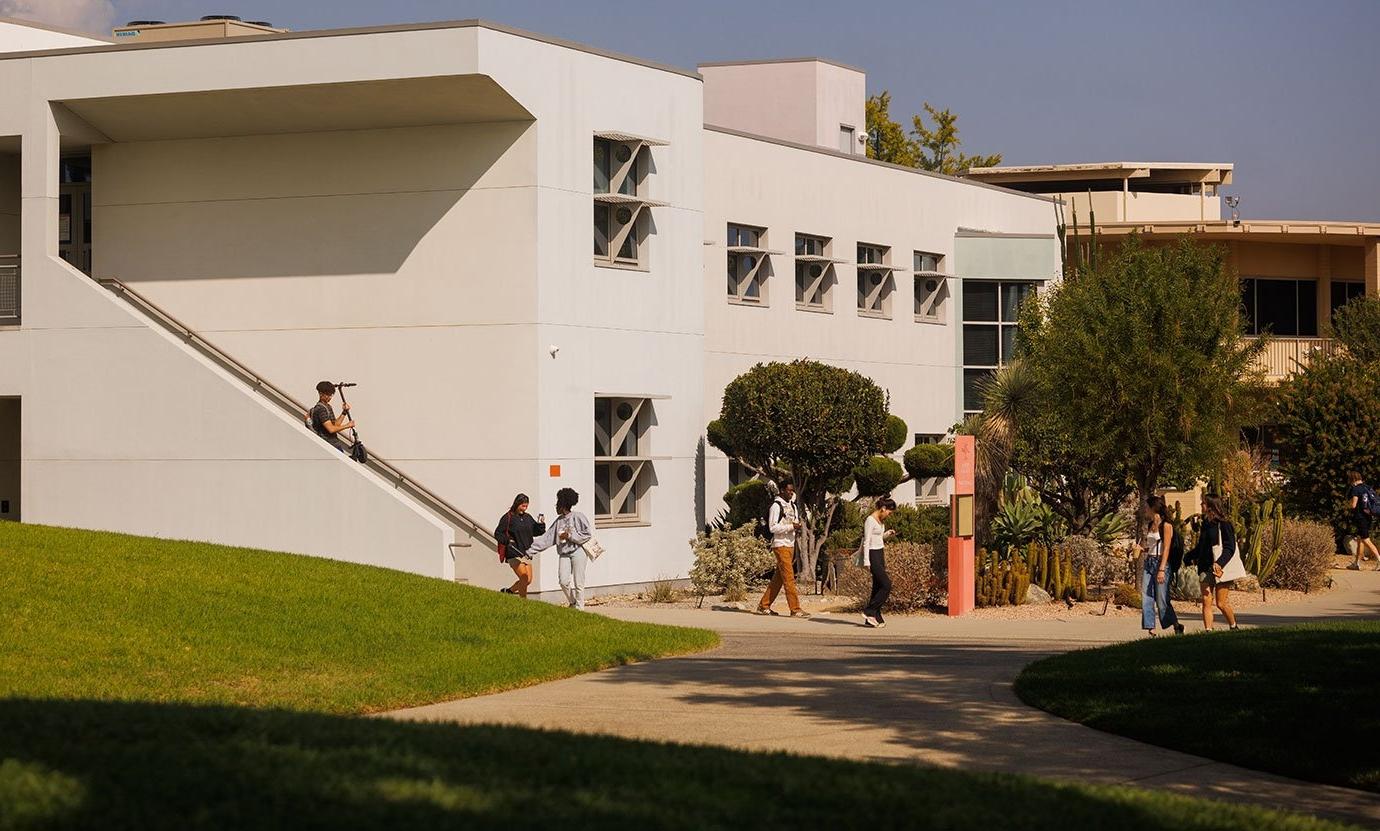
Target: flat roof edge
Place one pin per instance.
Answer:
(48, 27)
(865, 160)
(472, 23)
(758, 61)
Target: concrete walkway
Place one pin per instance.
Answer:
(924, 689)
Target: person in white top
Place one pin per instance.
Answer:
(783, 520)
(872, 555)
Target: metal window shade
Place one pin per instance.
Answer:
(979, 301)
(980, 346)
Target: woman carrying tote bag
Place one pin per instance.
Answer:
(1219, 561)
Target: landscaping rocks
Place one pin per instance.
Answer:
(1035, 594)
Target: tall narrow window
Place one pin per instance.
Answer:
(875, 281)
(991, 311)
(814, 273)
(749, 264)
(622, 219)
(847, 142)
(931, 288)
(622, 465)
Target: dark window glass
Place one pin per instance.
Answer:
(972, 383)
(980, 346)
(1277, 307)
(1012, 296)
(979, 301)
(1343, 293)
(1010, 343)
(1308, 308)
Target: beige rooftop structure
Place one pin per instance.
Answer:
(207, 28)
(810, 101)
(1121, 191)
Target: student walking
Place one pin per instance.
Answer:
(872, 555)
(515, 533)
(1364, 506)
(1160, 537)
(1219, 563)
(568, 534)
(783, 521)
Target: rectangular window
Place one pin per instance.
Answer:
(814, 273)
(622, 466)
(620, 212)
(931, 287)
(928, 438)
(1344, 293)
(875, 281)
(991, 311)
(748, 265)
(1286, 308)
(847, 143)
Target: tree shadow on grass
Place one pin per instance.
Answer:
(109, 765)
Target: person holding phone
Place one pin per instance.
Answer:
(568, 534)
(515, 532)
(872, 555)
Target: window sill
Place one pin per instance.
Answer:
(749, 304)
(621, 266)
(874, 315)
(609, 522)
(933, 321)
(819, 310)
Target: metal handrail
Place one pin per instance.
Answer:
(295, 408)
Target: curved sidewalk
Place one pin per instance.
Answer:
(925, 689)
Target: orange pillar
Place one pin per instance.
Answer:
(962, 573)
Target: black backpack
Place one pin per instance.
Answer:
(1176, 551)
(1368, 502)
(764, 522)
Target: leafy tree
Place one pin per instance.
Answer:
(1328, 425)
(807, 423)
(1357, 326)
(886, 138)
(1140, 365)
(939, 145)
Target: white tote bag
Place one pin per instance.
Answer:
(1234, 568)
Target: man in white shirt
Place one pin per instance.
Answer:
(783, 520)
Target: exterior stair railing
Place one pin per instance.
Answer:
(380, 466)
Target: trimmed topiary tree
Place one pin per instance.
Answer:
(878, 476)
(930, 461)
(896, 434)
(807, 423)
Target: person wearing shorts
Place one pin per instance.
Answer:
(1363, 508)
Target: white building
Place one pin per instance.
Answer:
(196, 225)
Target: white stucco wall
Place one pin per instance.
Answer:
(788, 190)
(19, 36)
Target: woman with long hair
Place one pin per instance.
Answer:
(515, 533)
(568, 534)
(1217, 531)
(872, 555)
(1155, 605)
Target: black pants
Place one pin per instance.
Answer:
(881, 584)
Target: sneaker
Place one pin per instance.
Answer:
(762, 611)
(1233, 628)
(1354, 567)
(1178, 628)
(869, 622)
(800, 613)
(505, 591)
(881, 624)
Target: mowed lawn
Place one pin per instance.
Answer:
(1303, 701)
(118, 765)
(88, 615)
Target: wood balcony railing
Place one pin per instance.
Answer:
(1284, 356)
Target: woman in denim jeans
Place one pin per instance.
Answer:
(568, 534)
(1155, 604)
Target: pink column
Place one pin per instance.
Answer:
(962, 574)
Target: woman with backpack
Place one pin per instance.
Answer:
(568, 534)
(1218, 561)
(872, 556)
(515, 533)
(1160, 539)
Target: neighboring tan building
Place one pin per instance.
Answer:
(208, 227)
(1294, 273)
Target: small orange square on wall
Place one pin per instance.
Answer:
(555, 471)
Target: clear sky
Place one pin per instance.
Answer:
(1289, 91)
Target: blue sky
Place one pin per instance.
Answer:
(1287, 91)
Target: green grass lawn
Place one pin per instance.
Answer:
(88, 615)
(1303, 701)
(121, 765)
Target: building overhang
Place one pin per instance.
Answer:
(306, 108)
(1259, 230)
(1210, 173)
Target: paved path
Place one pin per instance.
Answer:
(925, 689)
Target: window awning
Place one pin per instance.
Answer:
(625, 199)
(817, 258)
(749, 249)
(614, 135)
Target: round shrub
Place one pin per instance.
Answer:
(896, 433)
(726, 560)
(915, 582)
(1305, 556)
(930, 461)
(878, 476)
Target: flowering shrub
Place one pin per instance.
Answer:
(727, 559)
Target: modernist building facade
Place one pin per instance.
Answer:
(497, 235)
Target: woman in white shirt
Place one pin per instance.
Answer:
(872, 555)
